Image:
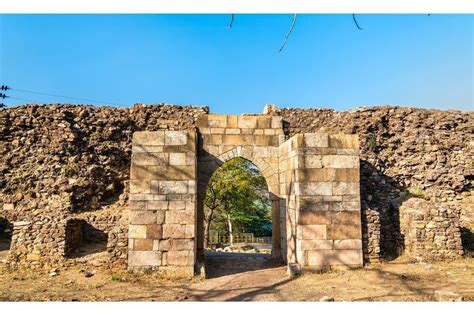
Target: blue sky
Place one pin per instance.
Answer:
(408, 60)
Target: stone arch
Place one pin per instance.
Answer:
(210, 165)
(170, 173)
(246, 152)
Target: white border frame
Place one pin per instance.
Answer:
(237, 6)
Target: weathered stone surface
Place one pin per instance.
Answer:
(320, 140)
(314, 232)
(143, 217)
(350, 258)
(144, 258)
(137, 231)
(175, 137)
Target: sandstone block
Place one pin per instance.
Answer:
(348, 244)
(344, 141)
(137, 205)
(342, 232)
(319, 140)
(175, 137)
(139, 187)
(277, 122)
(217, 131)
(314, 217)
(313, 161)
(176, 244)
(340, 161)
(351, 258)
(316, 174)
(180, 258)
(346, 218)
(232, 131)
(142, 217)
(144, 258)
(177, 159)
(212, 140)
(174, 231)
(217, 121)
(144, 159)
(179, 216)
(347, 175)
(264, 122)
(157, 205)
(247, 121)
(177, 205)
(136, 231)
(173, 187)
(232, 121)
(345, 188)
(148, 138)
(143, 245)
(154, 231)
(316, 244)
(315, 189)
(313, 232)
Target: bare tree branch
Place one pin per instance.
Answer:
(289, 33)
(231, 21)
(355, 21)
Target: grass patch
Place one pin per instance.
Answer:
(117, 277)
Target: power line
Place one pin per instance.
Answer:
(24, 99)
(64, 96)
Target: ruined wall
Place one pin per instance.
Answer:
(431, 231)
(62, 161)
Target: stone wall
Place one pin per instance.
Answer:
(61, 161)
(162, 230)
(404, 152)
(430, 231)
(320, 174)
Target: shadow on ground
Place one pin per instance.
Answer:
(219, 264)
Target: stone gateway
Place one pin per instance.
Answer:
(313, 180)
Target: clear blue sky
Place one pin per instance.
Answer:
(409, 60)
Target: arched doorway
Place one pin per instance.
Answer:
(240, 219)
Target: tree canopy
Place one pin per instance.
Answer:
(237, 200)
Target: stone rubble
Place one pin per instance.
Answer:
(64, 162)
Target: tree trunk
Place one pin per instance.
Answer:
(207, 228)
(231, 237)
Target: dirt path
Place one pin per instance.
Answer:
(399, 280)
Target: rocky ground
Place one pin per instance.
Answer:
(399, 280)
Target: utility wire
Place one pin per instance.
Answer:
(24, 99)
(70, 97)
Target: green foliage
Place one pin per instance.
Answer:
(238, 193)
(115, 277)
(416, 192)
(371, 144)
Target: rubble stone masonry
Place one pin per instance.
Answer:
(61, 163)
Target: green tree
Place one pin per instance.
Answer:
(237, 200)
